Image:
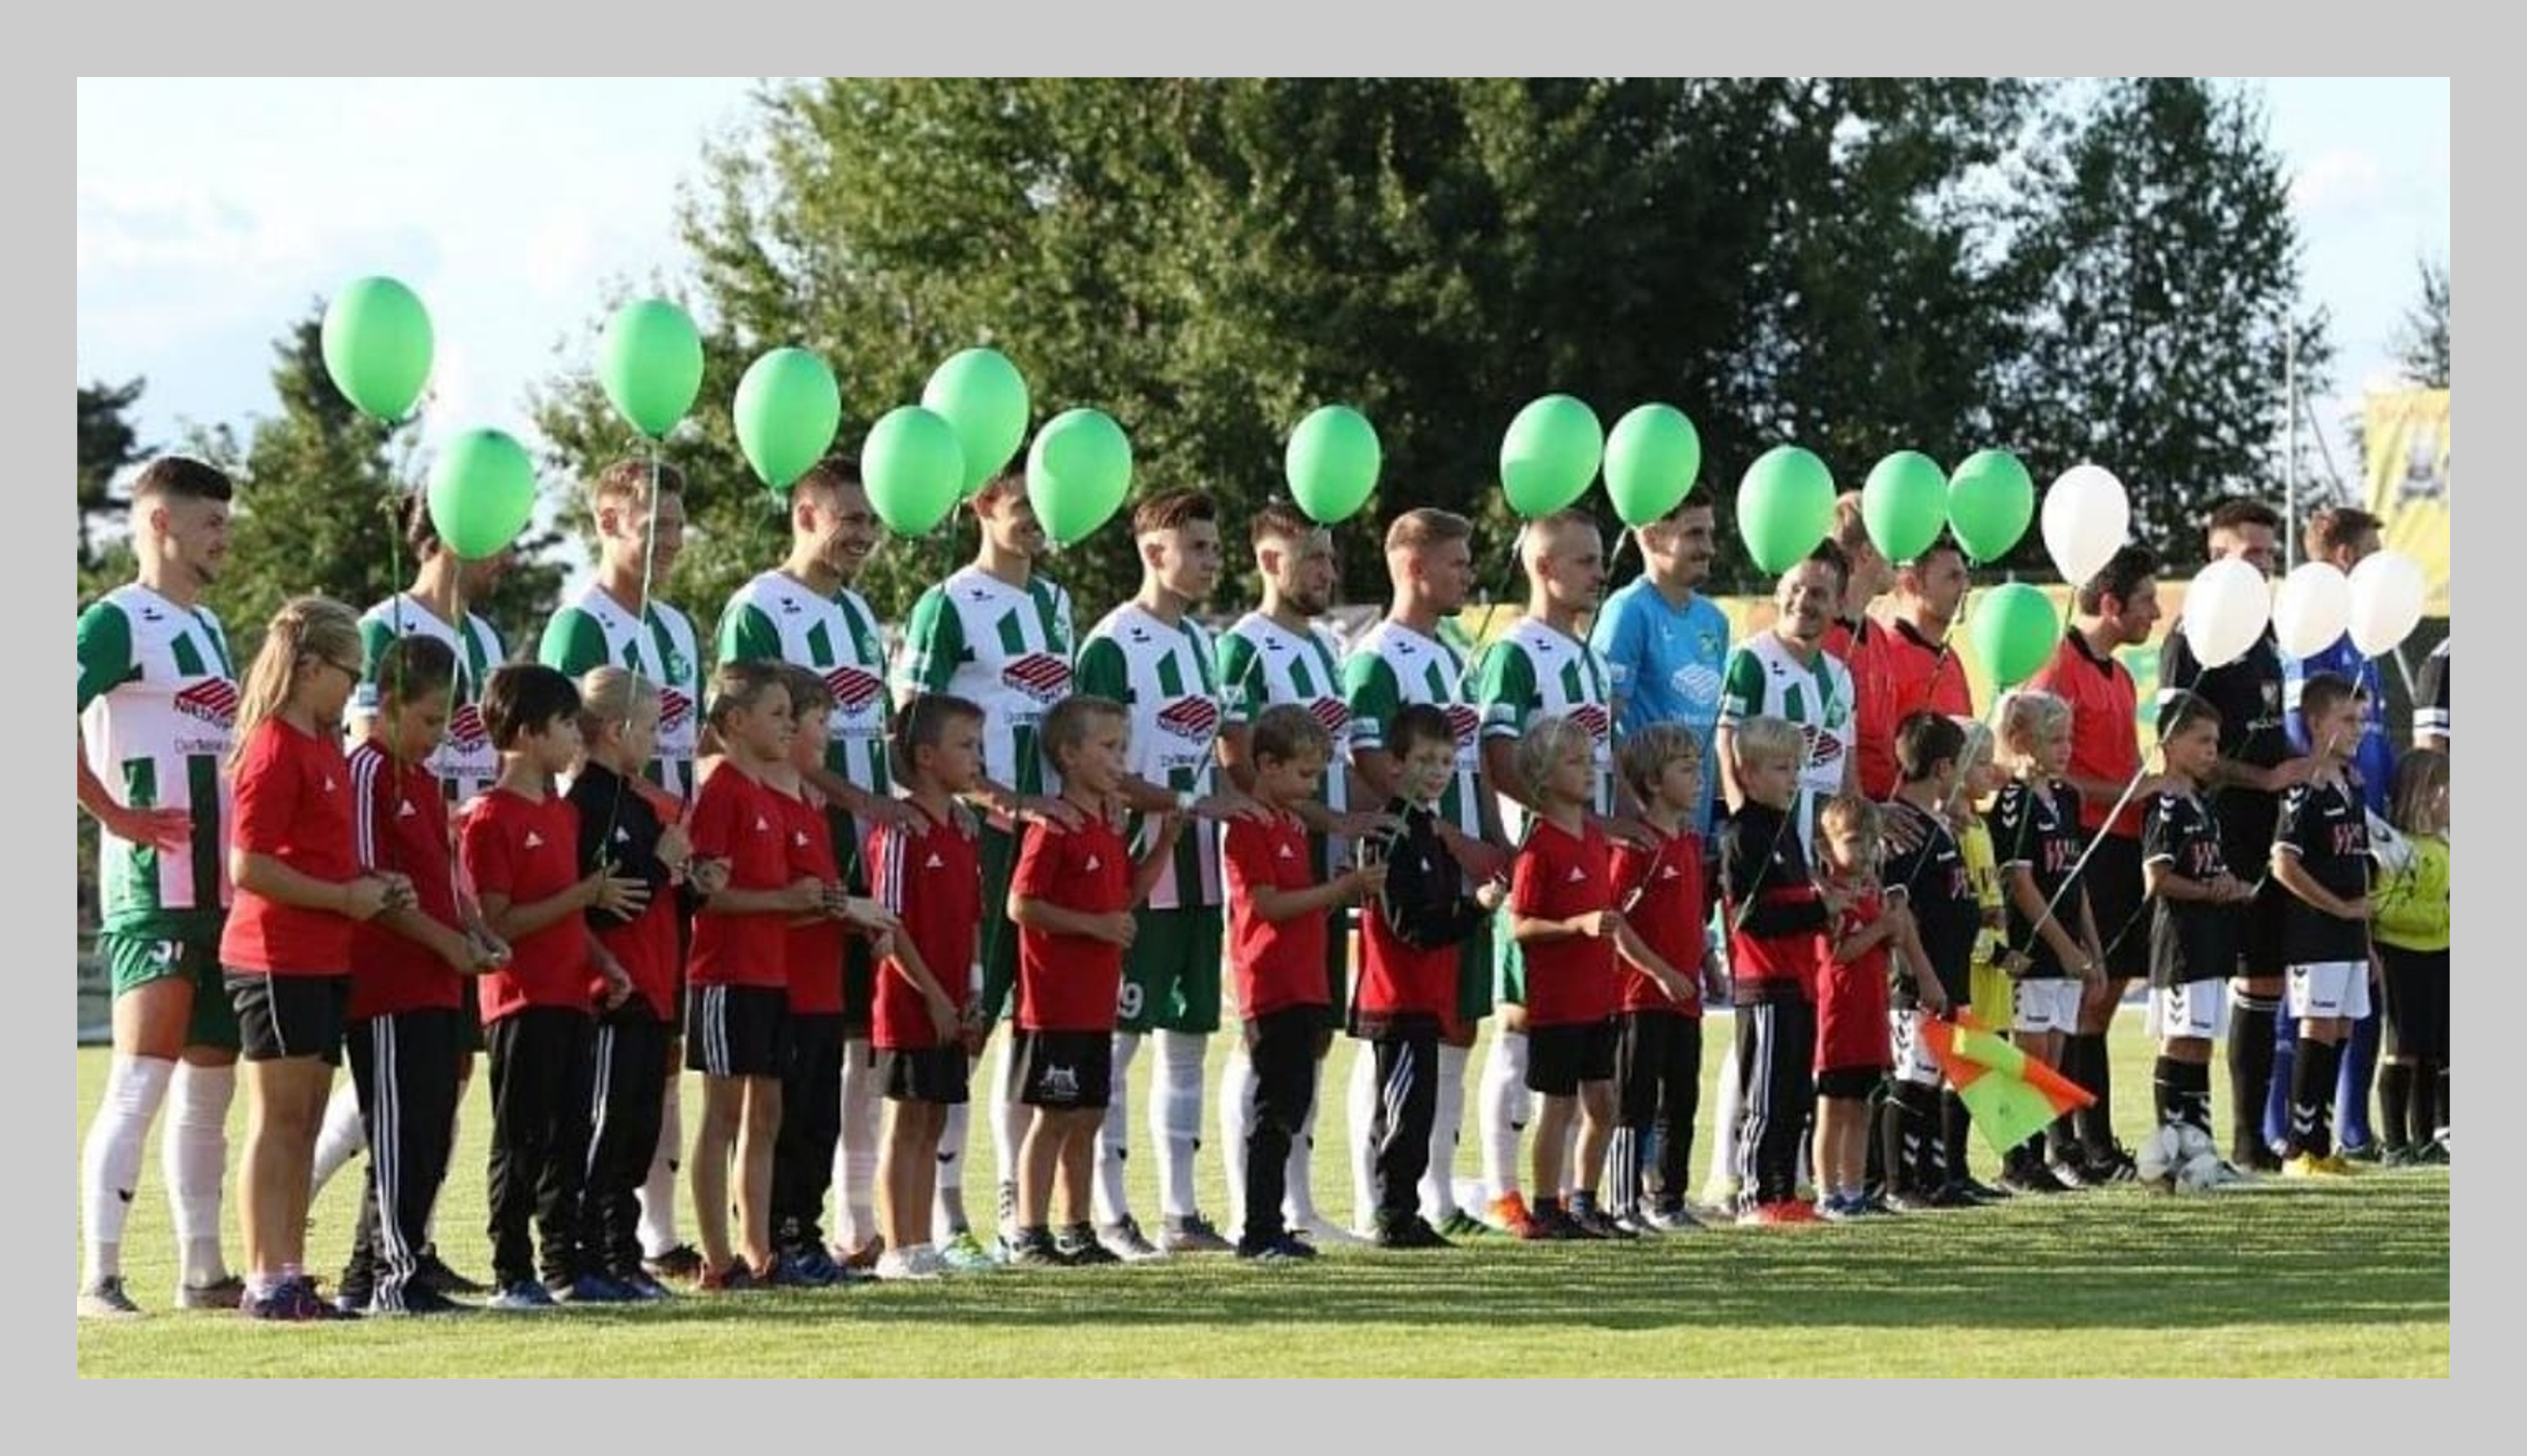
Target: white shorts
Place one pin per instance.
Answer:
(1913, 1060)
(2330, 988)
(2047, 1005)
(2194, 1009)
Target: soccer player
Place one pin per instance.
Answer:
(2193, 932)
(2036, 830)
(1663, 643)
(2321, 858)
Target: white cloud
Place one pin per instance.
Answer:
(2343, 179)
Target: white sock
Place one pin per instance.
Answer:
(195, 1155)
(1115, 1136)
(1299, 1197)
(109, 1159)
(1009, 1114)
(1439, 1180)
(948, 1201)
(455, 1125)
(1503, 1113)
(658, 1232)
(855, 1153)
(1175, 1117)
(1359, 1108)
(1572, 1174)
(1723, 1124)
(1236, 1121)
(342, 1137)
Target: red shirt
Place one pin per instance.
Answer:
(1852, 995)
(1278, 963)
(1872, 710)
(400, 825)
(1560, 875)
(1070, 982)
(738, 821)
(293, 803)
(525, 850)
(2105, 728)
(816, 948)
(1663, 895)
(1918, 675)
(934, 884)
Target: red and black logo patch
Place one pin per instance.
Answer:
(853, 688)
(1040, 676)
(1195, 719)
(213, 700)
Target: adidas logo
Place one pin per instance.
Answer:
(404, 809)
(328, 785)
(760, 826)
(1670, 872)
(799, 838)
(1578, 876)
(535, 841)
(934, 861)
(1289, 854)
(1094, 863)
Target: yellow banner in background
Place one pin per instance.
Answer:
(2408, 482)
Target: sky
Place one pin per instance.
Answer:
(212, 213)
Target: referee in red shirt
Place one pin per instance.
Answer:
(1920, 668)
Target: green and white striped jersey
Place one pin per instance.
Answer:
(1537, 670)
(1393, 665)
(1764, 680)
(466, 763)
(1005, 649)
(1264, 664)
(158, 705)
(1165, 675)
(592, 630)
(776, 618)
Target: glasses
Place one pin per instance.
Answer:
(349, 670)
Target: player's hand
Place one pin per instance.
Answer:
(400, 894)
(976, 1030)
(1480, 858)
(1678, 988)
(1492, 895)
(945, 1023)
(2016, 963)
(1898, 919)
(490, 948)
(803, 896)
(707, 876)
(1601, 924)
(1057, 814)
(869, 914)
(2356, 908)
(1115, 929)
(618, 984)
(1227, 804)
(158, 828)
(1933, 998)
(1365, 826)
(674, 849)
(365, 897)
(1366, 881)
(614, 894)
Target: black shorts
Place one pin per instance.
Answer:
(2417, 1003)
(1066, 1071)
(1849, 1083)
(2115, 896)
(282, 1017)
(1559, 1057)
(859, 989)
(924, 1073)
(469, 1017)
(2261, 949)
(737, 1031)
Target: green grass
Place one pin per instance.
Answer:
(2346, 1277)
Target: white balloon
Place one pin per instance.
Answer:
(2225, 611)
(2313, 609)
(2387, 592)
(2086, 519)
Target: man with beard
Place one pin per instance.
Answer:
(1664, 643)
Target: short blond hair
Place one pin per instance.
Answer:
(1424, 527)
(1765, 738)
(1855, 812)
(2025, 715)
(1646, 756)
(1545, 739)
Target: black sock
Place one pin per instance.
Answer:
(2312, 1096)
(1894, 1136)
(2250, 1076)
(2395, 1105)
(2194, 1077)
(1955, 1124)
(2166, 1091)
(1584, 1202)
(2430, 1102)
(1546, 1207)
(2096, 1122)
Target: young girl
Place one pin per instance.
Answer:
(1563, 917)
(288, 945)
(1853, 1052)
(736, 997)
(2411, 907)
(2036, 830)
(620, 826)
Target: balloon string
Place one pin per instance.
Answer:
(1474, 653)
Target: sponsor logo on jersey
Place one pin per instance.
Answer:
(1462, 722)
(853, 689)
(675, 711)
(1040, 676)
(211, 700)
(466, 733)
(1592, 716)
(1823, 747)
(1192, 718)
(1332, 714)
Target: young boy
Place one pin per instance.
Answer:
(1276, 908)
(1665, 894)
(1777, 918)
(521, 849)
(1933, 881)
(408, 971)
(1071, 898)
(2321, 856)
(1409, 974)
(927, 990)
(2192, 929)
(814, 947)
(1871, 945)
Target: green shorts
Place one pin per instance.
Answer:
(1171, 972)
(1508, 965)
(1475, 976)
(998, 854)
(137, 958)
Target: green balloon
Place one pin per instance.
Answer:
(376, 347)
(984, 397)
(481, 489)
(650, 363)
(1990, 500)
(915, 467)
(1651, 460)
(1332, 463)
(1784, 506)
(2014, 631)
(788, 408)
(1078, 472)
(1550, 454)
(1904, 503)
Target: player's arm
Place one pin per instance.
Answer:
(1742, 693)
(1636, 953)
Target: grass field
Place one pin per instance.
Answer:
(2336, 1279)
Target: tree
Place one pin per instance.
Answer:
(320, 492)
(107, 444)
(2422, 342)
(2158, 258)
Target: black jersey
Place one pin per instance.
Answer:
(1932, 879)
(2045, 838)
(2189, 940)
(2326, 828)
